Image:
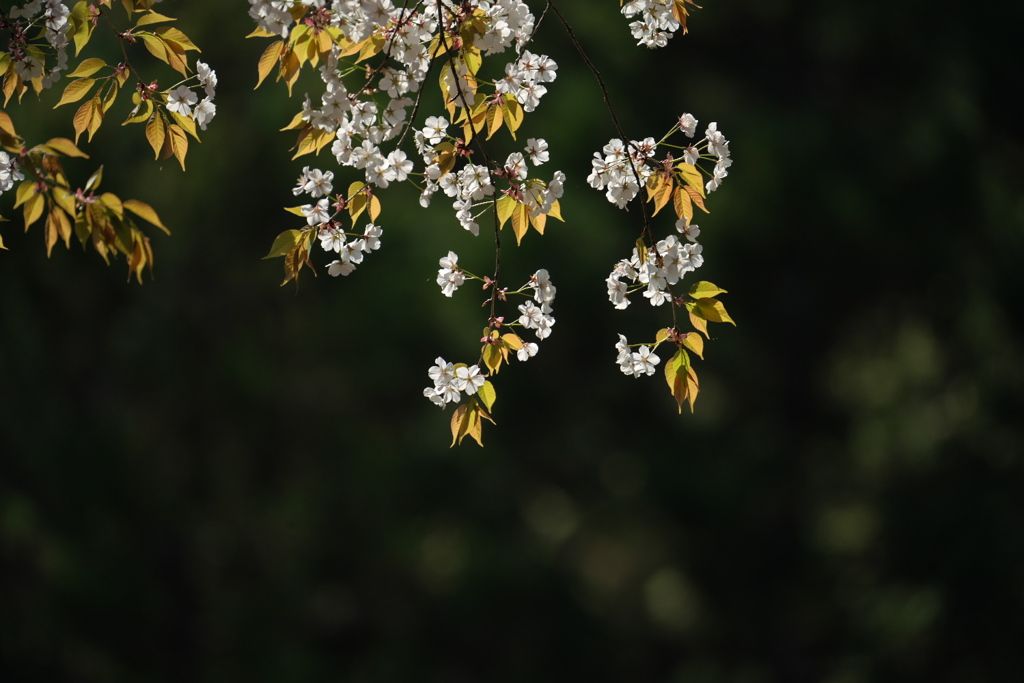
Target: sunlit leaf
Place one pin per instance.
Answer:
(714, 310)
(695, 343)
(155, 133)
(269, 60)
(65, 147)
(512, 341)
(487, 394)
(692, 176)
(682, 204)
(87, 68)
(284, 243)
(705, 289)
(520, 221)
(145, 211)
(153, 18)
(492, 358)
(675, 375)
(179, 143)
(696, 198)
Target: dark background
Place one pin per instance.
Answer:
(214, 478)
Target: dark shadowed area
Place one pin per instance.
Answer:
(213, 478)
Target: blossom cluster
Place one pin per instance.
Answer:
(31, 64)
(656, 24)
(322, 216)
(365, 105)
(664, 266)
(450, 382)
(635, 363)
(182, 99)
(534, 317)
(10, 172)
(616, 168)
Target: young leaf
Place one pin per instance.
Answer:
(87, 68)
(284, 243)
(505, 206)
(6, 124)
(152, 18)
(155, 133)
(487, 394)
(697, 318)
(512, 341)
(95, 114)
(179, 143)
(682, 204)
(33, 209)
(271, 56)
(492, 358)
(141, 113)
(692, 386)
(520, 221)
(695, 343)
(675, 374)
(65, 147)
(692, 176)
(696, 197)
(714, 311)
(703, 290)
(175, 37)
(144, 210)
(82, 119)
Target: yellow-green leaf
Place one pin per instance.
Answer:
(33, 209)
(641, 250)
(703, 289)
(95, 114)
(94, 180)
(82, 119)
(144, 210)
(494, 119)
(487, 394)
(374, 208)
(512, 341)
(714, 310)
(505, 206)
(682, 204)
(141, 113)
(155, 133)
(179, 143)
(284, 243)
(692, 176)
(520, 221)
(556, 211)
(697, 198)
(113, 202)
(173, 35)
(675, 375)
(65, 147)
(152, 18)
(695, 343)
(697, 318)
(492, 358)
(87, 68)
(270, 58)
(24, 193)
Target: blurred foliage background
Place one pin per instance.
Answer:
(213, 478)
